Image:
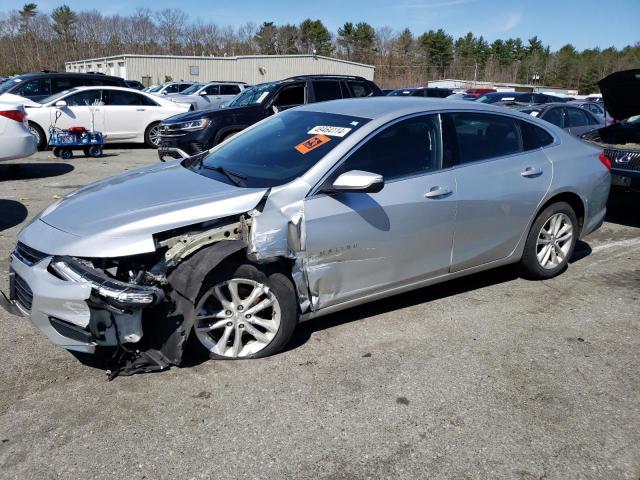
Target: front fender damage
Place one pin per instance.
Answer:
(273, 231)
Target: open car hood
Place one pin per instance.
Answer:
(621, 93)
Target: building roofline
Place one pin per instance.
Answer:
(200, 57)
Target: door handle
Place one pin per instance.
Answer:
(437, 192)
(140, 109)
(531, 172)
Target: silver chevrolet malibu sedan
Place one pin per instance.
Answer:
(311, 211)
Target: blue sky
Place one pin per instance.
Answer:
(585, 23)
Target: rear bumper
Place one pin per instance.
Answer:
(622, 179)
(18, 145)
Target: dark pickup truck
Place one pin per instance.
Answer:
(190, 133)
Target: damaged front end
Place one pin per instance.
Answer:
(144, 305)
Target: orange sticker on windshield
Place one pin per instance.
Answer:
(312, 143)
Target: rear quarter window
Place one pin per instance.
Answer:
(534, 137)
(359, 89)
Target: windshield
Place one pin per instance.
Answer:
(278, 150)
(9, 84)
(192, 89)
(55, 96)
(495, 98)
(156, 88)
(253, 95)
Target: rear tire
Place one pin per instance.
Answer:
(550, 242)
(243, 329)
(152, 135)
(66, 153)
(41, 138)
(95, 151)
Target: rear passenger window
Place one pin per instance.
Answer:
(577, 118)
(359, 89)
(61, 84)
(480, 136)
(229, 89)
(534, 137)
(122, 97)
(410, 147)
(326, 90)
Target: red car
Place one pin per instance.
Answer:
(477, 92)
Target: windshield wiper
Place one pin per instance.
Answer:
(236, 178)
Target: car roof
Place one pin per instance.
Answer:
(65, 74)
(101, 87)
(377, 107)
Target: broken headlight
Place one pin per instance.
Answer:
(114, 291)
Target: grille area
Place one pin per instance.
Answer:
(27, 255)
(23, 293)
(623, 159)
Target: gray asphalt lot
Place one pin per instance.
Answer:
(489, 376)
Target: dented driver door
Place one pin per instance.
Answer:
(362, 243)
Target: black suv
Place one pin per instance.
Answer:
(194, 132)
(36, 86)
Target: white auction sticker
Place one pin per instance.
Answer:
(330, 131)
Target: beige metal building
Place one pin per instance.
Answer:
(252, 69)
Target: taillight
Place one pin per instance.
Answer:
(17, 115)
(606, 161)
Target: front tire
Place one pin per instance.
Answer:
(152, 135)
(245, 312)
(550, 242)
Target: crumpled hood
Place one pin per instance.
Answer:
(621, 93)
(119, 215)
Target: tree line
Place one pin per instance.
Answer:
(32, 40)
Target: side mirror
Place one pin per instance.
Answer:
(275, 109)
(203, 93)
(60, 104)
(358, 181)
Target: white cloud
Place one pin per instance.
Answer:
(511, 21)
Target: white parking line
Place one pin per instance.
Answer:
(620, 243)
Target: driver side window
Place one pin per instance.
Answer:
(87, 97)
(409, 147)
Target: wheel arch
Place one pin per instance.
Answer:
(575, 202)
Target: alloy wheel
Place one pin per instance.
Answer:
(34, 131)
(154, 135)
(237, 318)
(554, 241)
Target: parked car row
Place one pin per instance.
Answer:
(194, 132)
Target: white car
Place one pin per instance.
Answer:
(170, 87)
(121, 114)
(205, 96)
(16, 140)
